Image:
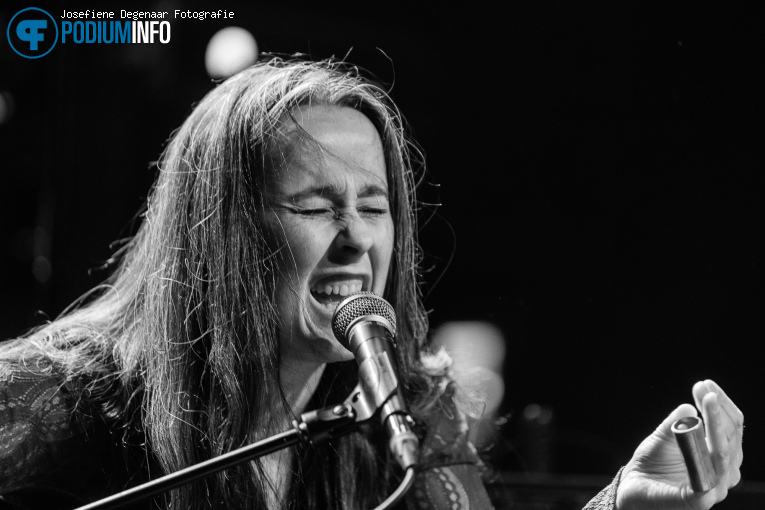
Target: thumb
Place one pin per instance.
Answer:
(682, 411)
(663, 436)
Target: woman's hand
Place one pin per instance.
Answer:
(656, 478)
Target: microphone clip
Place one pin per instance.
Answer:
(376, 394)
(315, 427)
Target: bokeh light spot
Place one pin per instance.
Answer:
(229, 51)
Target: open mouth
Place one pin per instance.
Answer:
(330, 291)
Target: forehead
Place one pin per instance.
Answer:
(336, 146)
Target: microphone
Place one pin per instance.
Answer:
(365, 324)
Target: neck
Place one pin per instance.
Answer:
(300, 379)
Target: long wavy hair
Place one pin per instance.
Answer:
(182, 342)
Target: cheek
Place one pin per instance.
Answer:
(385, 243)
(305, 247)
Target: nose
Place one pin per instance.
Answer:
(353, 240)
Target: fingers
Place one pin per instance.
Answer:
(702, 388)
(725, 428)
(731, 411)
(727, 404)
(724, 439)
(717, 436)
(699, 390)
(736, 418)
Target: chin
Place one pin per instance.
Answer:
(332, 351)
(342, 354)
(323, 348)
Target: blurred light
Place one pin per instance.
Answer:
(42, 269)
(229, 51)
(540, 414)
(6, 106)
(536, 434)
(478, 353)
(472, 344)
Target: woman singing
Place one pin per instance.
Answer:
(289, 187)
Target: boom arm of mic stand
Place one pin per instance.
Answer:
(314, 427)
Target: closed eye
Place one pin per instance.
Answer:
(377, 211)
(313, 212)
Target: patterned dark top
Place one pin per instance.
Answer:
(50, 459)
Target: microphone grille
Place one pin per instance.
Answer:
(358, 305)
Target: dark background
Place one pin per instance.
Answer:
(600, 170)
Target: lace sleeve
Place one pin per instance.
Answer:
(46, 454)
(450, 475)
(450, 469)
(34, 420)
(605, 499)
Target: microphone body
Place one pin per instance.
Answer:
(366, 324)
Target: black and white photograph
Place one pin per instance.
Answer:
(302, 255)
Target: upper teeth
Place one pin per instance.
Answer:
(341, 289)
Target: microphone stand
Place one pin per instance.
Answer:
(374, 392)
(314, 427)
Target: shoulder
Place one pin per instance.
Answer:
(35, 417)
(45, 446)
(33, 399)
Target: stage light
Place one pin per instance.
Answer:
(478, 353)
(42, 269)
(472, 343)
(229, 51)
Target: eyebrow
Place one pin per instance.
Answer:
(335, 191)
